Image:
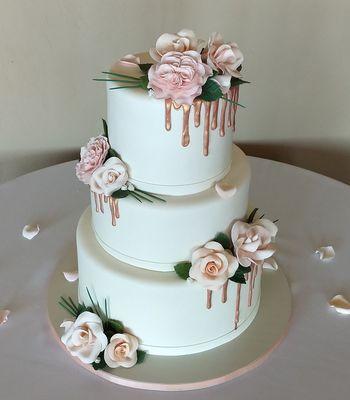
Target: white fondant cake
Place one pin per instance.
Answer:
(169, 315)
(167, 247)
(161, 152)
(158, 235)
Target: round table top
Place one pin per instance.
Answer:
(311, 363)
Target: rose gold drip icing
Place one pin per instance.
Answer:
(185, 125)
(96, 202)
(224, 292)
(223, 118)
(100, 199)
(113, 206)
(250, 291)
(238, 301)
(256, 270)
(207, 106)
(234, 106)
(230, 109)
(168, 104)
(209, 294)
(197, 112)
(246, 276)
(214, 117)
(176, 106)
(105, 198)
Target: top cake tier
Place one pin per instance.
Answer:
(169, 148)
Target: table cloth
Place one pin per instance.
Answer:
(313, 362)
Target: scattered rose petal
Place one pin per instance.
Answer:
(4, 314)
(71, 276)
(271, 264)
(326, 253)
(341, 304)
(30, 231)
(130, 60)
(225, 191)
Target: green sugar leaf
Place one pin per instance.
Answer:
(112, 153)
(120, 194)
(153, 196)
(243, 270)
(102, 364)
(251, 216)
(144, 82)
(223, 239)
(211, 91)
(237, 81)
(115, 325)
(120, 75)
(232, 102)
(141, 355)
(238, 277)
(182, 269)
(105, 127)
(145, 67)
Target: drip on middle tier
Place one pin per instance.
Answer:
(157, 236)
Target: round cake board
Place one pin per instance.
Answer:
(196, 371)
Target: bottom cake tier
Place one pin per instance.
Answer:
(170, 316)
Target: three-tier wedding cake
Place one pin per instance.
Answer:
(170, 262)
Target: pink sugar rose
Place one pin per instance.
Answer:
(223, 57)
(92, 157)
(179, 76)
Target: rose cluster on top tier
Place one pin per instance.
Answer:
(184, 64)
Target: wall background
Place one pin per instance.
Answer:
(297, 56)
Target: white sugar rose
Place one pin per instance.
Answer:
(121, 351)
(111, 176)
(182, 41)
(212, 265)
(223, 57)
(84, 338)
(252, 242)
(92, 157)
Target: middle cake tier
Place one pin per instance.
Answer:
(158, 235)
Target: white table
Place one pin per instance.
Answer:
(313, 362)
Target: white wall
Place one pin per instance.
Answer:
(297, 56)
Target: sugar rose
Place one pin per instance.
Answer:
(224, 57)
(182, 41)
(178, 76)
(92, 157)
(212, 265)
(109, 177)
(121, 351)
(252, 242)
(84, 338)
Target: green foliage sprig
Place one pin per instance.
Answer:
(110, 326)
(127, 80)
(211, 91)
